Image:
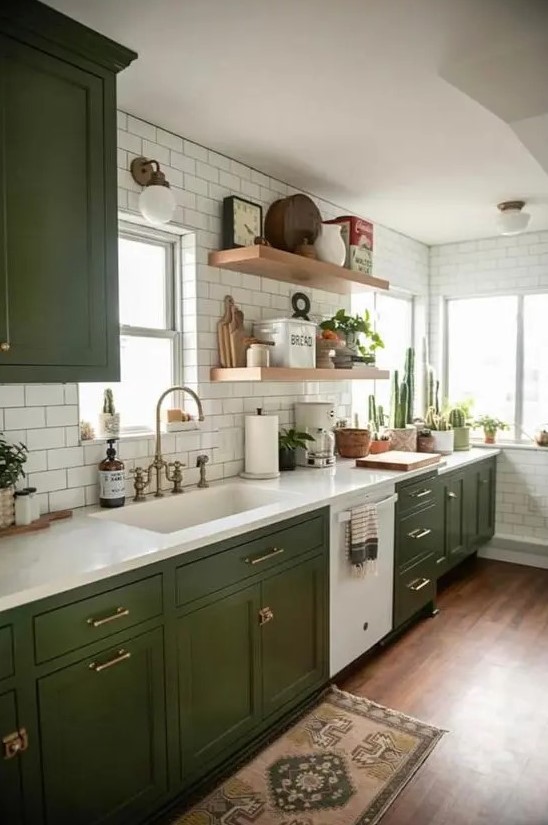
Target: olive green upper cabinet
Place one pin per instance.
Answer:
(58, 211)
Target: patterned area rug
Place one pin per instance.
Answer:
(343, 763)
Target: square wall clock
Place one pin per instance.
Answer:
(242, 222)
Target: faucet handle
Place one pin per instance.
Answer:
(176, 476)
(139, 484)
(201, 462)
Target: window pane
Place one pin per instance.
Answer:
(535, 365)
(142, 278)
(482, 354)
(147, 370)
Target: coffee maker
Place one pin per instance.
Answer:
(317, 419)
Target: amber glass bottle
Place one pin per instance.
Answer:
(112, 485)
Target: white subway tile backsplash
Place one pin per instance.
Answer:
(48, 481)
(24, 417)
(37, 395)
(67, 457)
(44, 439)
(12, 395)
(66, 499)
(140, 127)
(59, 416)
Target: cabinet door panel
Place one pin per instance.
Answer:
(104, 736)
(52, 176)
(218, 657)
(486, 501)
(455, 532)
(11, 801)
(294, 656)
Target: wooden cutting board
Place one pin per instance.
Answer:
(398, 460)
(238, 337)
(223, 337)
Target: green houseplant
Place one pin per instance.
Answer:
(490, 427)
(402, 432)
(12, 459)
(290, 440)
(380, 440)
(351, 328)
(109, 419)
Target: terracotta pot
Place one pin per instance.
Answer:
(352, 442)
(489, 438)
(109, 425)
(7, 507)
(425, 443)
(404, 439)
(377, 447)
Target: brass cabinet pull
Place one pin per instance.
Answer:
(271, 553)
(418, 584)
(419, 493)
(419, 533)
(120, 613)
(452, 495)
(15, 743)
(121, 656)
(5, 346)
(265, 615)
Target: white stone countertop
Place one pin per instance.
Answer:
(86, 549)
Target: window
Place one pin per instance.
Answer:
(393, 316)
(493, 355)
(149, 336)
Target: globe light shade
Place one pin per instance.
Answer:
(157, 204)
(512, 220)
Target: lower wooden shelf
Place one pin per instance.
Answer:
(294, 374)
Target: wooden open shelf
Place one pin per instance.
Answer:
(293, 374)
(285, 266)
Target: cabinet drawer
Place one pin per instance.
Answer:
(81, 623)
(248, 559)
(413, 590)
(6, 652)
(418, 494)
(420, 536)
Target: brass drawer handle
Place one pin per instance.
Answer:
(5, 346)
(265, 615)
(419, 533)
(419, 493)
(452, 495)
(121, 656)
(270, 555)
(121, 612)
(418, 584)
(15, 743)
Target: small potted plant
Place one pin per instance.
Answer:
(380, 441)
(490, 427)
(425, 439)
(541, 436)
(12, 459)
(350, 328)
(461, 428)
(109, 419)
(441, 431)
(289, 441)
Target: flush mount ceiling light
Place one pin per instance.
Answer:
(156, 201)
(511, 220)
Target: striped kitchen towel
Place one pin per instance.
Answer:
(362, 539)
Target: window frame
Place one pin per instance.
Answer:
(519, 436)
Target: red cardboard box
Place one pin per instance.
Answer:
(357, 235)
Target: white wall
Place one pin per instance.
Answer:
(489, 267)
(46, 417)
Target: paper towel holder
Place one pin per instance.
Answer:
(262, 476)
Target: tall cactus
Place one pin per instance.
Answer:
(108, 402)
(372, 412)
(457, 417)
(409, 380)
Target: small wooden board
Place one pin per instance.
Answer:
(398, 460)
(40, 524)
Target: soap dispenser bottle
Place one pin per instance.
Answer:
(112, 484)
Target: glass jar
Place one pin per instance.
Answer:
(23, 508)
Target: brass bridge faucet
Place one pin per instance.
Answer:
(173, 470)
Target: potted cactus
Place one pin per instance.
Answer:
(461, 430)
(402, 432)
(380, 441)
(12, 459)
(441, 431)
(109, 419)
(490, 427)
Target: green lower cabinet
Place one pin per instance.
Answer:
(103, 735)
(486, 500)
(11, 795)
(218, 666)
(293, 634)
(455, 546)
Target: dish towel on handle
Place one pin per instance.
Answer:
(362, 539)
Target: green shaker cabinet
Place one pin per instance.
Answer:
(11, 795)
(454, 501)
(103, 734)
(58, 212)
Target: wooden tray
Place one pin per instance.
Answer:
(398, 460)
(40, 524)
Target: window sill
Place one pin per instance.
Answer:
(145, 435)
(509, 445)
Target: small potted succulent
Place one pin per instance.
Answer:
(490, 427)
(541, 436)
(109, 419)
(380, 441)
(351, 328)
(441, 431)
(12, 459)
(289, 441)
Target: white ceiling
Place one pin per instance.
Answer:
(347, 98)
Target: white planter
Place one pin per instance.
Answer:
(7, 507)
(329, 244)
(443, 441)
(109, 425)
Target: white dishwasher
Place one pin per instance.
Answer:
(360, 608)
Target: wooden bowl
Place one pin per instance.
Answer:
(352, 442)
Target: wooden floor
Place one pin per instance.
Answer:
(480, 670)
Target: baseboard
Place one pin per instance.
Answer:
(515, 551)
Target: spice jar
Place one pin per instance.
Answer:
(258, 355)
(23, 508)
(34, 503)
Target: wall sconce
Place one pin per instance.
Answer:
(156, 201)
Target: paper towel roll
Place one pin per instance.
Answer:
(261, 446)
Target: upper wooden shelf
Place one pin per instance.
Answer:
(295, 374)
(285, 266)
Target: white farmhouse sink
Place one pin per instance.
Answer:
(177, 512)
